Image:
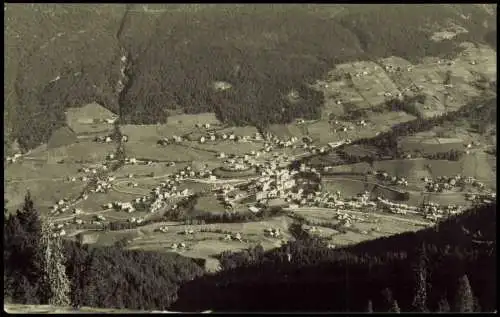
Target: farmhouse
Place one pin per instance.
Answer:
(80, 119)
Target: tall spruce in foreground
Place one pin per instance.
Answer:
(464, 299)
(22, 245)
(420, 271)
(54, 281)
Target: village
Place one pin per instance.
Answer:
(271, 184)
(144, 174)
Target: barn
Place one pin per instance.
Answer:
(91, 118)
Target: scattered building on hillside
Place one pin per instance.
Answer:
(81, 119)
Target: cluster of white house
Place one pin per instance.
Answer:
(396, 208)
(158, 199)
(275, 183)
(103, 186)
(176, 246)
(434, 211)
(103, 139)
(235, 236)
(273, 232)
(14, 158)
(230, 136)
(486, 197)
(346, 219)
(57, 230)
(444, 183)
(61, 206)
(344, 127)
(393, 179)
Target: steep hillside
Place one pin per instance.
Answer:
(317, 278)
(176, 52)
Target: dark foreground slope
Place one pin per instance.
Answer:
(264, 51)
(105, 277)
(318, 278)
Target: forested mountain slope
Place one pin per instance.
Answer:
(307, 276)
(177, 51)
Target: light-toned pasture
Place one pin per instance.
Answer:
(84, 150)
(171, 152)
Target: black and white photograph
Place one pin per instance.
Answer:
(250, 158)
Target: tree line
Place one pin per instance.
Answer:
(440, 269)
(43, 269)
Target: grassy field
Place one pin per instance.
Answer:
(286, 131)
(413, 170)
(228, 147)
(346, 186)
(80, 119)
(46, 183)
(194, 186)
(367, 222)
(444, 168)
(208, 244)
(240, 131)
(172, 152)
(322, 132)
(429, 145)
(84, 150)
(140, 170)
(331, 158)
(360, 150)
(374, 84)
(480, 165)
(190, 120)
(95, 201)
(350, 168)
(209, 204)
(151, 133)
(28, 169)
(44, 193)
(219, 172)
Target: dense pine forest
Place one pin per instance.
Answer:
(451, 267)
(264, 51)
(96, 276)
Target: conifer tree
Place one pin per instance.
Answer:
(60, 284)
(24, 245)
(54, 283)
(464, 299)
(420, 270)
